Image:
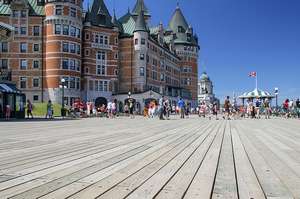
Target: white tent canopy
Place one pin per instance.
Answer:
(256, 93)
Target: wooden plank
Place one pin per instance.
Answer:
(269, 181)
(203, 181)
(248, 183)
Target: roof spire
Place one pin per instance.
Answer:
(140, 24)
(177, 5)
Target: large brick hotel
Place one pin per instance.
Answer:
(97, 54)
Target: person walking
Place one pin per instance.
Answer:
(215, 110)
(109, 109)
(257, 108)
(29, 109)
(286, 108)
(181, 107)
(167, 108)
(49, 110)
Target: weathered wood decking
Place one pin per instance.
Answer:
(140, 159)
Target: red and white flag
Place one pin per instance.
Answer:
(252, 74)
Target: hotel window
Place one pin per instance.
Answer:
(105, 85)
(58, 10)
(78, 83)
(65, 47)
(66, 81)
(101, 39)
(65, 64)
(36, 31)
(142, 71)
(78, 49)
(116, 55)
(106, 40)
(96, 39)
(3, 64)
(101, 55)
(57, 29)
(116, 40)
(23, 47)
(97, 85)
(23, 30)
(136, 41)
(23, 64)
(16, 30)
(36, 47)
(87, 36)
(73, 31)
(154, 75)
(23, 82)
(72, 48)
(72, 64)
(36, 82)
(87, 53)
(35, 98)
(143, 41)
(36, 64)
(77, 65)
(142, 56)
(4, 47)
(73, 12)
(23, 13)
(78, 33)
(101, 70)
(15, 13)
(65, 30)
(72, 82)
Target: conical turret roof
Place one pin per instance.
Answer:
(140, 5)
(98, 14)
(178, 19)
(140, 24)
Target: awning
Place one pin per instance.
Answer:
(9, 88)
(256, 93)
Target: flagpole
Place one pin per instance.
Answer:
(256, 81)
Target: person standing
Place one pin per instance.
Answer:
(167, 108)
(215, 110)
(298, 107)
(109, 109)
(49, 110)
(161, 108)
(267, 108)
(257, 108)
(227, 107)
(286, 108)
(29, 109)
(7, 112)
(181, 106)
(131, 108)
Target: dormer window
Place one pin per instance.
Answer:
(181, 29)
(58, 10)
(6, 1)
(15, 13)
(40, 2)
(23, 13)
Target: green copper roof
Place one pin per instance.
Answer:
(178, 20)
(128, 26)
(140, 24)
(98, 14)
(139, 6)
(34, 9)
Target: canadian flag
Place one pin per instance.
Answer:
(252, 74)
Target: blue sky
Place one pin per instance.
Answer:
(237, 37)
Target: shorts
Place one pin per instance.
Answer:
(227, 110)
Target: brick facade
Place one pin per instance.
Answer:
(96, 60)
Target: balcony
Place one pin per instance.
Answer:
(5, 75)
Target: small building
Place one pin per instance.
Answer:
(256, 94)
(206, 90)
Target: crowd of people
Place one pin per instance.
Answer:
(163, 108)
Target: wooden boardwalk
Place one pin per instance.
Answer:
(140, 159)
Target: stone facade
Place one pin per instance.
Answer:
(97, 54)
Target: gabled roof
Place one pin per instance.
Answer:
(140, 24)
(139, 6)
(178, 19)
(34, 9)
(98, 14)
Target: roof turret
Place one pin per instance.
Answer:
(140, 24)
(140, 5)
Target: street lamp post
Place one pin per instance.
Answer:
(63, 97)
